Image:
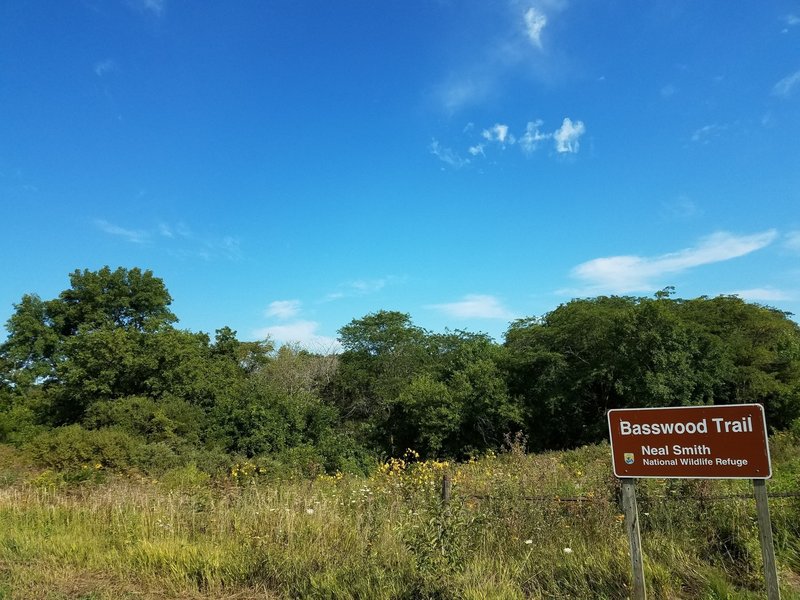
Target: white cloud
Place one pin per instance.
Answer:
(304, 333)
(227, 246)
(369, 286)
(762, 294)
(785, 87)
(362, 287)
(792, 20)
(529, 140)
(475, 306)
(131, 235)
(447, 156)
(681, 207)
(498, 133)
(535, 22)
(457, 93)
(567, 135)
(624, 274)
(705, 133)
(178, 241)
(283, 309)
(104, 67)
(566, 140)
(510, 43)
(792, 241)
(154, 6)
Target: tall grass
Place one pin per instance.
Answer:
(517, 526)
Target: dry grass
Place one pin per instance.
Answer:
(507, 533)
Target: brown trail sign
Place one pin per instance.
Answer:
(709, 442)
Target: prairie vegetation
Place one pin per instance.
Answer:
(517, 526)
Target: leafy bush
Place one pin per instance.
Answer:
(170, 420)
(73, 448)
(185, 478)
(18, 425)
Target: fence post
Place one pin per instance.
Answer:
(634, 537)
(447, 486)
(765, 538)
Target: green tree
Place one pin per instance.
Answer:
(130, 299)
(110, 336)
(427, 416)
(757, 351)
(383, 352)
(30, 353)
(589, 356)
(473, 367)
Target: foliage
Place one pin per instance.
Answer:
(73, 447)
(105, 356)
(588, 356)
(516, 526)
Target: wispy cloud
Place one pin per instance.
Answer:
(786, 86)
(668, 91)
(535, 22)
(498, 133)
(305, 333)
(362, 287)
(165, 230)
(283, 309)
(447, 155)
(704, 134)
(177, 240)
(681, 208)
(767, 294)
(104, 67)
(475, 306)
(458, 92)
(530, 140)
(624, 274)
(369, 286)
(154, 7)
(228, 246)
(567, 136)
(792, 241)
(130, 235)
(514, 44)
(566, 139)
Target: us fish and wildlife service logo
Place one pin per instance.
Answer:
(629, 458)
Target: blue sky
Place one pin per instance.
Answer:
(289, 166)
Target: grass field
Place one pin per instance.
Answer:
(517, 526)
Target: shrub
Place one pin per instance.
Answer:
(72, 447)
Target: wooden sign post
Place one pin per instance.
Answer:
(697, 442)
(634, 537)
(765, 538)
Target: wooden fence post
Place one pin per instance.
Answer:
(765, 538)
(634, 537)
(447, 487)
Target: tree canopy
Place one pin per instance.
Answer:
(104, 359)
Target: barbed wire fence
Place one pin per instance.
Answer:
(447, 492)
